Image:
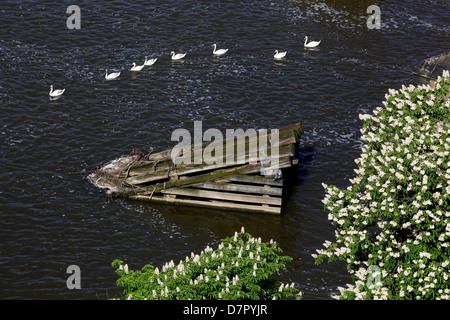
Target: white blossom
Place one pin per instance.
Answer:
(401, 186)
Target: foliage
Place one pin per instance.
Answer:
(240, 268)
(393, 221)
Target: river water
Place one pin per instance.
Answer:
(53, 217)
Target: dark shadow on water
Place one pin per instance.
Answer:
(306, 155)
(294, 176)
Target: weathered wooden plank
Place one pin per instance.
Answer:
(295, 130)
(286, 134)
(211, 204)
(256, 180)
(137, 164)
(199, 193)
(161, 175)
(177, 172)
(185, 181)
(158, 169)
(297, 125)
(240, 188)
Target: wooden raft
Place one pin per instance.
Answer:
(247, 186)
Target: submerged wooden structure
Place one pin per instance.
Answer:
(431, 68)
(251, 184)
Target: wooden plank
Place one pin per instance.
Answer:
(144, 178)
(240, 188)
(256, 180)
(145, 164)
(185, 181)
(244, 169)
(199, 193)
(212, 204)
(162, 167)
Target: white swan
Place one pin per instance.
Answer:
(177, 56)
(149, 62)
(111, 76)
(279, 55)
(220, 51)
(136, 68)
(57, 92)
(311, 44)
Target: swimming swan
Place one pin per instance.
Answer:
(311, 44)
(220, 51)
(177, 56)
(111, 76)
(279, 55)
(136, 68)
(149, 62)
(57, 92)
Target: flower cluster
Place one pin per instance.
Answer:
(240, 268)
(395, 215)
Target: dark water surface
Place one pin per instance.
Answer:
(52, 217)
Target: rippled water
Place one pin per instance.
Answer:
(52, 217)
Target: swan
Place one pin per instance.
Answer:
(177, 56)
(279, 55)
(220, 51)
(136, 68)
(311, 44)
(149, 62)
(57, 92)
(111, 76)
